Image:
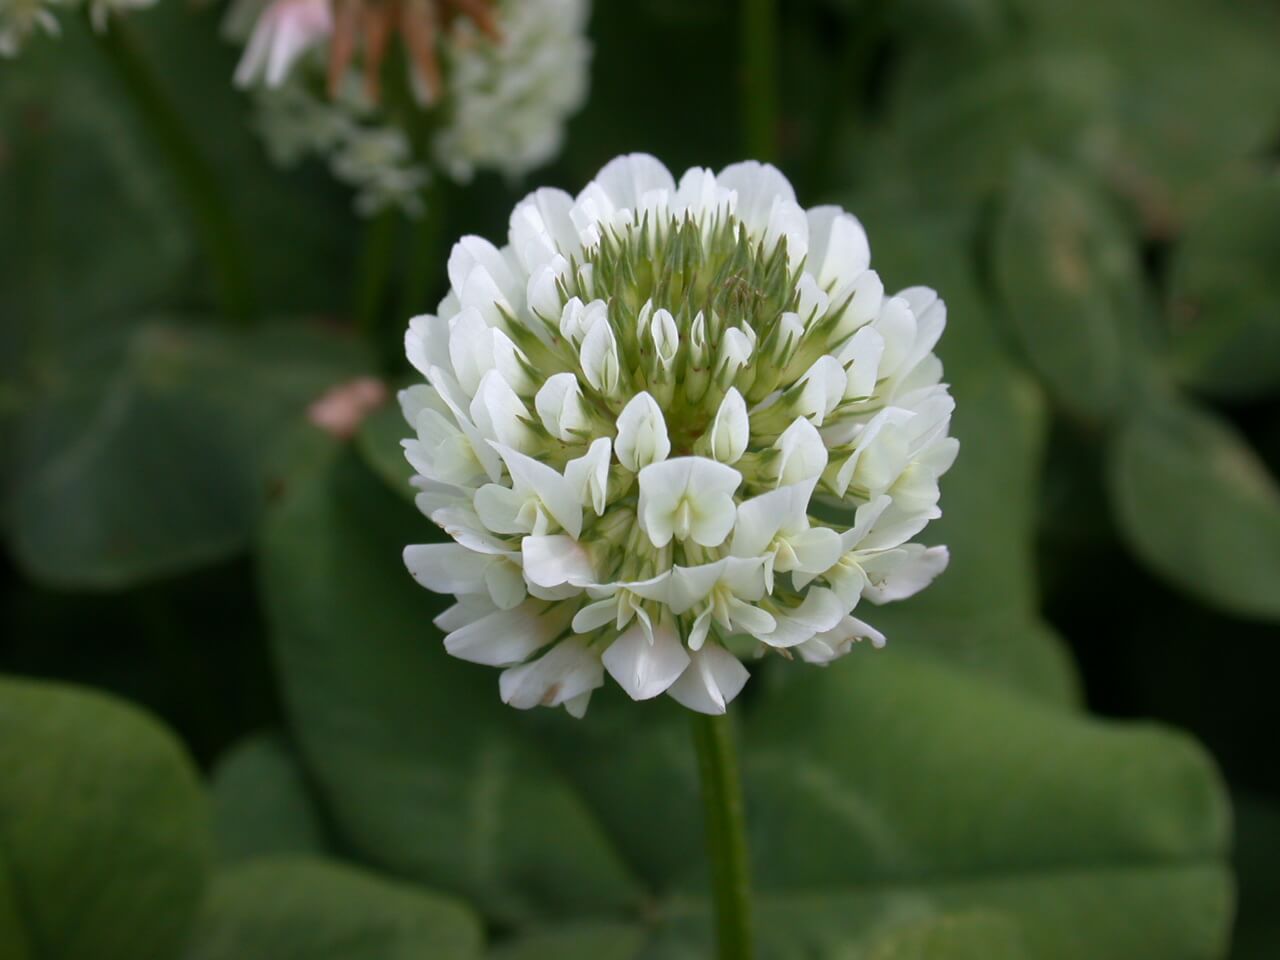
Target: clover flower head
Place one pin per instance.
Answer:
(498, 78)
(668, 425)
(19, 19)
(508, 101)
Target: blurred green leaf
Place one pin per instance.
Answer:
(422, 775)
(926, 790)
(1198, 507)
(308, 909)
(1257, 934)
(149, 455)
(262, 804)
(1194, 91)
(962, 936)
(1067, 275)
(1224, 300)
(960, 115)
(103, 828)
(379, 443)
(583, 941)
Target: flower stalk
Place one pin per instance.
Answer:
(199, 187)
(725, 827)
(759, 78)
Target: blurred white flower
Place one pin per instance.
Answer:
(499, 76)
(21, 18)
(284, 31)
(668, 425)
(508, 102)
(371, 155)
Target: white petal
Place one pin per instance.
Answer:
(500, 509)
(644, 669)
(567, 672)
(861, 355)
(559, 406)
(803, 455)
(588, 474)
(499, 414)
(552, 560)
(711, 681)
(447, 567)
(540, 228)
(426, 343)
(691, 585)
(556, 493)
(642, 433)
(731, 428)
(760, 518)
(628, 179)
(666, 338)
(507, 636)
(688, 497)
(467, 610)
(470, 349)
(820, 610)
(824, 386)
(914, 567)
(599, 357)
(838, 248)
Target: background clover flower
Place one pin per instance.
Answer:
(669, 424)
(19, 19)
(488, 85)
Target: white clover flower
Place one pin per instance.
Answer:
(375, 158)
(21, 18)
(646, 417)
(498, 77)
(284, 30)
(508, 101)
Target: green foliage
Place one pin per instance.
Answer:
(151, 454)
(262, 803)
(304, 909)
(1225, 293)
(1199, 507)
(104, 836)
(1091, 188)
(1067, 274)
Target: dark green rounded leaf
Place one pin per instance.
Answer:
(262, 803)
(1067, 275)
(104, 831)
(1198, 507)
(309, 909)
(150, 454)
(1224, 301)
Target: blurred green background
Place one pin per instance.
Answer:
(228, 730)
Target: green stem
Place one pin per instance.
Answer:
(425, 267)
(374, 274)
(726, 835)
(195, 179)
(759, 78)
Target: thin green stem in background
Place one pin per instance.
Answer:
(195, 179)
(726, 835)
(424, 269)
(373, 274)
(760, 78)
